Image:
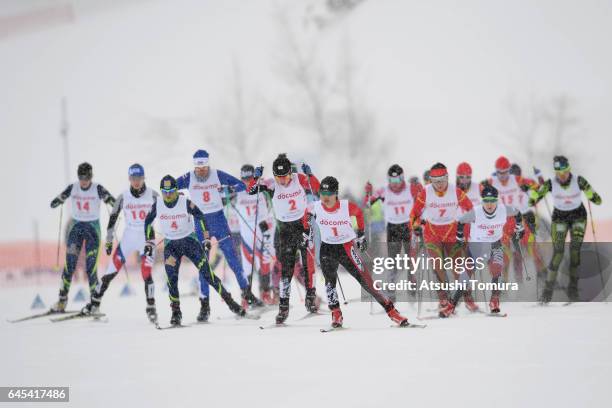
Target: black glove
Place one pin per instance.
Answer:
(306, 169)
(109, 247)
(258, 172)
(148, 249)
(263, 226)
(519, 231)
(361, 242)
(56, 202)
(305, 238)
(207, 245)
(525, 188)
(417, 230)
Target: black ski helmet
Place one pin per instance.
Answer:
(281, 165)
(489, 193)
(84, 171)
(395, 171)
(167, 183)
(560, 163)
(247, 171)
(515, 169)
(329, 185)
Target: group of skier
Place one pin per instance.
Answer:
(293, 221)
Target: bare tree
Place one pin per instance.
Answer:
(537, 129)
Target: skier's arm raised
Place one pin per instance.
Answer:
(536, 195)
(231, 181)
(61, 197)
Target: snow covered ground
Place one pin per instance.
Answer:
(554, 356)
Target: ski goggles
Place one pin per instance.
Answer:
(246, 175)
(395, 179)
(464, 177)
(562, 171)
(327, 193)
(84, 177)
(503, 172)
(439, 179)
(168, 191)
(489, 199)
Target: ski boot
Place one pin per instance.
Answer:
(443, 304)
(448, 310)
(60, 305)
(283, 311)
(494, 303)
(92, 307)
(204, 310)
(469, 302)
(151, 312)
(396, 316)
(547, 293)
(572, 290)
(177, 316)
(249, 299)
(310, 300)
(233, 306)
(336, 314)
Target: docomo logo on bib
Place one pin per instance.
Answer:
(131, 206)
(172, 217)
(206, 187)
(403, 202)
(442, 205)
(566, 197)
(333, 222)
(80, 197)
(284, 196)
(490, 227)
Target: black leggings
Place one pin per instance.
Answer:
(290, 241)
(333, 255)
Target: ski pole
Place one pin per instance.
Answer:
(517, 246)
(59, 238)
(342, 291)
(254, 235)
(370, 238)
(603, 284)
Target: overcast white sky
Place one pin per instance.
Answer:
(436, 74)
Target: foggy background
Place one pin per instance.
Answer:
(349, 86)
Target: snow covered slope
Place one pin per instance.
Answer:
(553, 356)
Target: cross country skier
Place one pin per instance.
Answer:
(397, 198)
(465, 183)
(529, 219)
(512, 191)
(85, 197)
(333, 217)
(136, 203)
(176, 215)
(491, 224)
(204, 185)
(289, 204)
(251, 209)
(569, 215)
(439, 203)
(472, 191)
